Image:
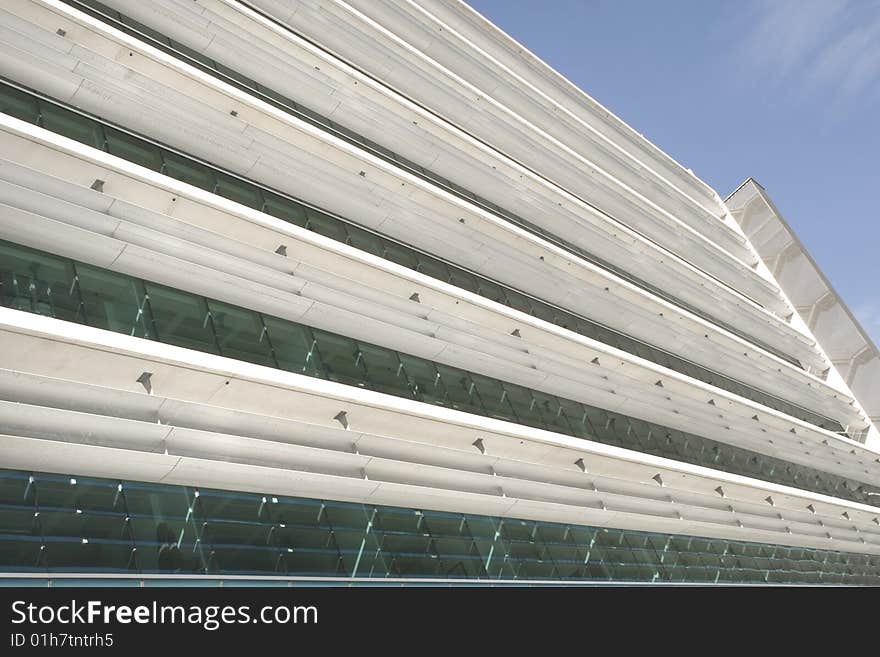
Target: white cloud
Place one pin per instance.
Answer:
(816, 48)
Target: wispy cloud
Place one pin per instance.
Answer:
(813, 48)
(868, 314)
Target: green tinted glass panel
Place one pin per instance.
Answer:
(432, 267)
(114, 301)
(72, 125)
(423, 379)
(38, 283)
(283, 208)
(461, 392)
(133, 149)
(364, 240)
(384, 371)
(240, 334)
(181, 319)
(576, 418)
(525, 407)
(325, 225)
(340, 357)
(188, 171)
(491, 291)
(464, 280)
(189, 52)
(19, 104)
(400, 254)
(552, 412)
(493, 397)
(519, 301)
(293, 347)
(239, 191)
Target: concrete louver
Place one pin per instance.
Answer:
(61, 157)
(213, 421)
(476, 109)
(186, 100)
(301, 70)
(503, 51)
(327, 284)
(449, 75)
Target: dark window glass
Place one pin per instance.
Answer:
(461, 392)
(189, 52)
(423, 379)
(552, 413)
(294, 347)
(384, 371)
(547, 313)
(399, 254)
(432, 267)
(491, 291)
(525, 407)
(365, 241)
(239, 191)
(140, 27)
(19, 104)
(519, 302)
(325, 225)
(72, 125)
(188, 171)
(133, 149)
(39, 283)
(463, 280)
(493, 397)
(341, 358)
(181, 319)
(240, 334)
(283, 208)
(576, 418)
(114, 301)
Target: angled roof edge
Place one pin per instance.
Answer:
(839, 333)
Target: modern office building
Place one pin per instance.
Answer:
(357, 291)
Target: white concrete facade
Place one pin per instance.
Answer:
(618, 233)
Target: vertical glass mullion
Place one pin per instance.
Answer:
(384, 370)
(75, 290)
(423, 380)
(145, 313)
(264, 335)
(492, 396)
(239, 333)
(208, 323)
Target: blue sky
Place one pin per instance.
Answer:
(785, 91)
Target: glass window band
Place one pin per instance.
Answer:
(176, 49)
(54, 523)
(97, 134)
(40, 283)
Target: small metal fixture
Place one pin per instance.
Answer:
(145, 379)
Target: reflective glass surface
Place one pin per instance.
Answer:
(66, 523)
